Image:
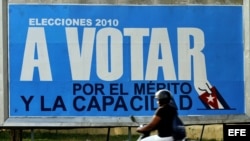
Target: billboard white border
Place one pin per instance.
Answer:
(3, 62)
(6, 121)
(246, 28)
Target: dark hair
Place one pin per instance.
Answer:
(164, 101)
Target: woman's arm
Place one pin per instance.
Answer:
(150, 126)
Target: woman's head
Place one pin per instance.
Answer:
(163, 96)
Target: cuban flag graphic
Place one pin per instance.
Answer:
(213, 100)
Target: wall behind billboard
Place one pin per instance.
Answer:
(103, 60)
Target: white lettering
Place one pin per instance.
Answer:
(60, 22)
(136, 53)
(36, 55)
(160, 56)
(80, 59)
(236, 132)
(190, 46)
(109, 46)
(109, 54)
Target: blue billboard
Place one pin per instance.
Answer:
(108, 60)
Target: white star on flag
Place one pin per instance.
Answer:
(210, 98)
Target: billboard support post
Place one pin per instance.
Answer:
(3, 62)
(246, 18)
